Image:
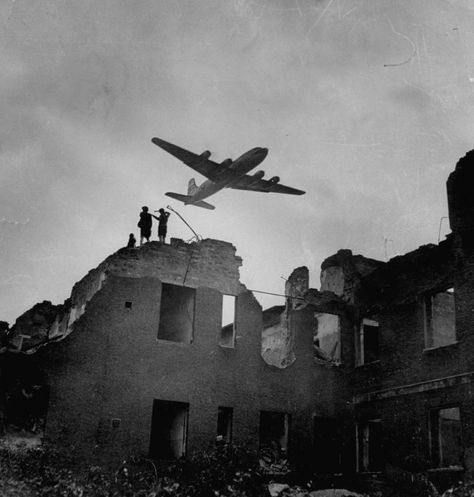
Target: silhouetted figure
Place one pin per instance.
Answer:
(162, 224)
(131, 241)
(145, 224)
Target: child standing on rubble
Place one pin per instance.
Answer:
(162, 224)
(131, 241)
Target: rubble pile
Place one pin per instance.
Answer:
(284, 490)
(272, 462)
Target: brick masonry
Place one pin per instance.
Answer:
(111, 366)
(107, 363)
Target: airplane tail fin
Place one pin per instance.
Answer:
(185, 198)
(192, 187)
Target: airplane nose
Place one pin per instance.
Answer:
(264, 151)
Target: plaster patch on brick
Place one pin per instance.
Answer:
(277, 343)
(343, 272)
(277, 337)
(332, 280)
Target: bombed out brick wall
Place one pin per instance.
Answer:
(413, 353)
(371, 372)
(137, 361)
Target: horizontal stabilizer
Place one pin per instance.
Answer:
(187, 198)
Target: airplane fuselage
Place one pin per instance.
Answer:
(239, 168)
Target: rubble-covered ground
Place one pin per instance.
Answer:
(225, 471)
(284, 490)
(45, 471)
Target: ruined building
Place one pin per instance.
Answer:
(138, 360)
(371, 371)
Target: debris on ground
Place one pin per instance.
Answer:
(284, 490)
(334, 492)
(275, 489)
(463, 490)
(273, 460)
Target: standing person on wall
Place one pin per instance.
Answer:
(145, 224)
(162, 224)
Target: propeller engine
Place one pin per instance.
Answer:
(275, 179)
(206, 154)
(226, 162)
(256, 177)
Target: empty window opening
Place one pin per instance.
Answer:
(327, 445)
(168, 429)
(227, 335)
(224, 423)
(274, 435)
(26, 406)
(115, 422)
(176, 313)
(369, 446)
(367, 342)
(440, 328)
(445, 437)
(327, 339)
(128, 305)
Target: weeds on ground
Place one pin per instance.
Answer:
(45, 471)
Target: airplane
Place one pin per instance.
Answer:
(227, 174)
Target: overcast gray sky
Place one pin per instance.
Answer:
(365, 104)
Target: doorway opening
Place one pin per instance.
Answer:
(169, 425)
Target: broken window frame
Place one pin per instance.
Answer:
(224, 340)
(189, 334)
(360, 352)
(368, 458)
(437, 442)
(428, 319)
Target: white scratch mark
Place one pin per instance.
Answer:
(354, 26)
(418, 59)
(320, 17)
(15, 279)
(445, 136)
(350, 11)
(343, 144)
(406, 38)
(434, 95)
(9, 15)
(9, 221)
(418, 88)
(299, 8)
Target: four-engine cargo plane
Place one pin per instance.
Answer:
(227, 174)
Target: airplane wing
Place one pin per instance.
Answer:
(249, 183)
(202, 165)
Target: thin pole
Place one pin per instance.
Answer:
(198, 238)
(276, 294)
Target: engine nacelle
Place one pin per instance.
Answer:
(226, 162)
(258, 175)
(206, 154)
(275, 179)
